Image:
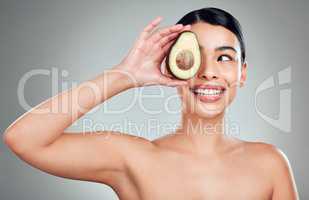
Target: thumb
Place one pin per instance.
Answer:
(171, 82)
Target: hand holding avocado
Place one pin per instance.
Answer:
(143, 62)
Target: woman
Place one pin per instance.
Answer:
(194, 162)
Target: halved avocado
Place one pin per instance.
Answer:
(184, 58)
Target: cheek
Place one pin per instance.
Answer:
(231, 94)
(230, 74)
(185, 96)
(232, 82)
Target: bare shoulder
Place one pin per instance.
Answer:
(271, 156)
(266, 152)
(275, 163)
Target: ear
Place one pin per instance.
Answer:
(243, 75)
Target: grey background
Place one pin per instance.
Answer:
(86, 37)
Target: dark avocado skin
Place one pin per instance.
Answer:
(168, 55)
(168, 67)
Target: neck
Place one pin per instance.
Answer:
(202, 134)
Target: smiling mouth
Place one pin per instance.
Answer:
(208, 94)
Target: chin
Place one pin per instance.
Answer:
(208, 112)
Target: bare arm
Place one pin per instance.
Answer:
(39, 138)
(284, 183)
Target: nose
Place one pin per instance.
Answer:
(208, 71)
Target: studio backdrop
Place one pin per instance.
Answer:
(49, 46)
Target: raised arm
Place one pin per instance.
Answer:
(38, 136)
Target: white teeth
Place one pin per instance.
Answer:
(207, 91)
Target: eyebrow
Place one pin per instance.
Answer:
(222, 48)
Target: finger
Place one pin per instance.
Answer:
(177, 83)
(150, 27)
(187, 27)
(171, 82)
(166, 42)
(164, 70)
(163, 56)
(166, 31)
(160, 54)
(167, 39)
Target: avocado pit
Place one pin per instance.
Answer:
(185, 59)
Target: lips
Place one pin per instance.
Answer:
(208, 93)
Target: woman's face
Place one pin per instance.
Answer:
(215, 85)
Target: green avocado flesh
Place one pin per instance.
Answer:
(184, 58)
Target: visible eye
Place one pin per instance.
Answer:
(225, 58)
